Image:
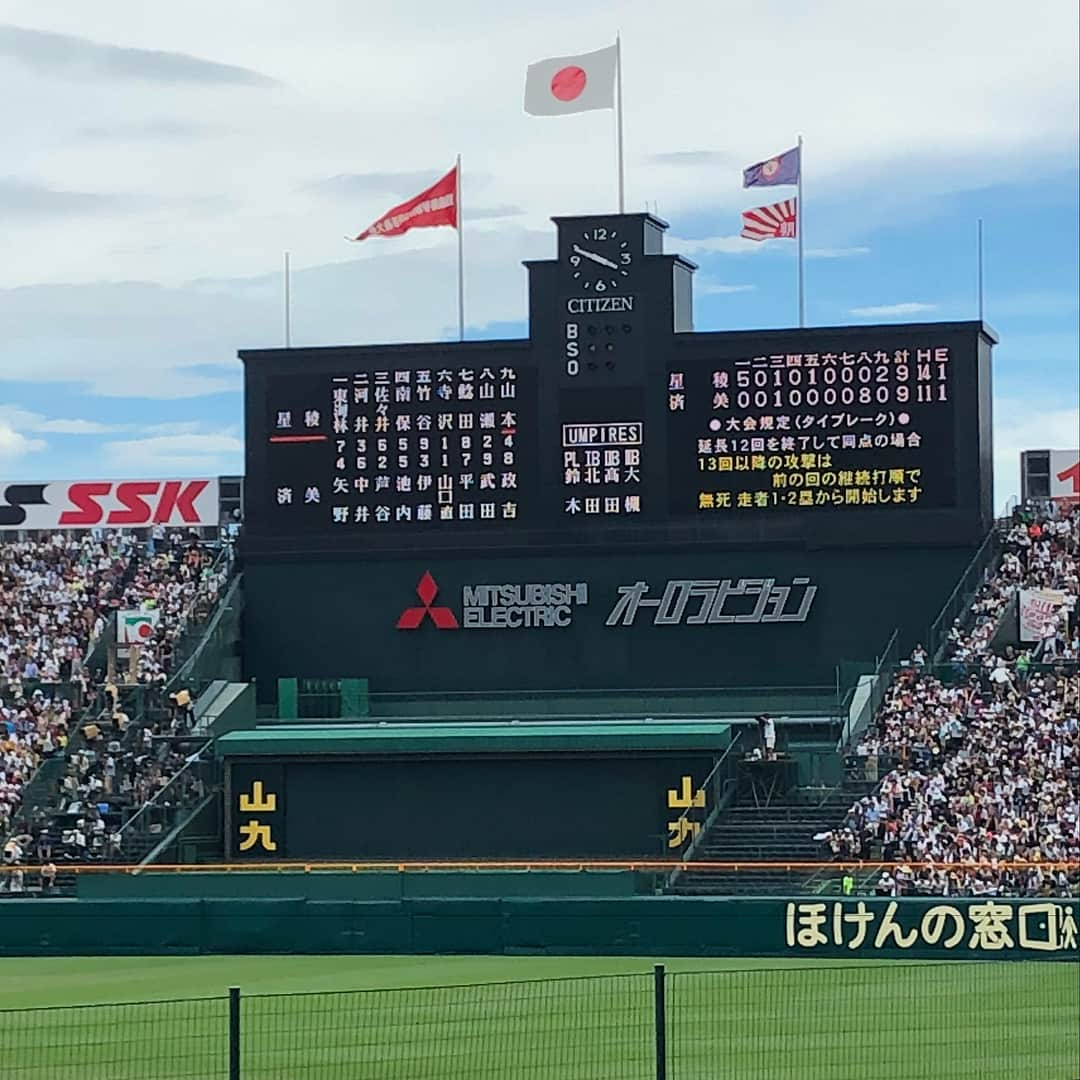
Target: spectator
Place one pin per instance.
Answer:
(48, 877)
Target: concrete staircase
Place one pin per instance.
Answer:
(778, 833)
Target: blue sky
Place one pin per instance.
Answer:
(161, 166)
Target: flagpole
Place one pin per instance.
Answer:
(618, 122)
(979, 271)
(288, 306)
(460, 255)
(799, 233)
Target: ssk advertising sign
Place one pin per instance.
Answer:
(109, 504)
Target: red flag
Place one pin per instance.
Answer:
(438, 205)
(780, 220)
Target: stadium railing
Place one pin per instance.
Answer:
(157, 820)
(986, 1018)
(787, 877)
(720, 786)
(201, 655)
(59, 691)
(863, 707)
(959, 601)
(325, 700)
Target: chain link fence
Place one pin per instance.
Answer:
(917, 1021)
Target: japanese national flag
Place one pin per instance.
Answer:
(135, 627)
(572, 84)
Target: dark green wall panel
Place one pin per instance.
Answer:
(329, 885)
(337, 619)
(933, 928)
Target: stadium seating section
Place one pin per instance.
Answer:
(981, 754)
(81, 754)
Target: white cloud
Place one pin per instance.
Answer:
(1026, 424)
(705, 287)
(835, 252)
(714, 245)
(173, 427)
(139, 339)
(77, 427)
(14, 445)
(211, 453)
(25, 420)
(890, 311)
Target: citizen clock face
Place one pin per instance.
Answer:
(600, 258)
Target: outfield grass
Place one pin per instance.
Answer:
(49, 981)
(547, 1018)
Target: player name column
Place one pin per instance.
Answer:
(423, 445)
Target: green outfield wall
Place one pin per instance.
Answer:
(872, 928)
(384, 885)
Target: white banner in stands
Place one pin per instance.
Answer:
(1036, 607)
(91, 504)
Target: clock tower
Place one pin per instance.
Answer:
(602, 319)
(602, 313)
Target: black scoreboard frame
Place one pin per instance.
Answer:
(644, 345)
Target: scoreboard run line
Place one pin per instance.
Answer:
(299, 438)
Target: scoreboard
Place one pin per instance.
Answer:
(614, 425)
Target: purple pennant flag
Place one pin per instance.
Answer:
(782, 169)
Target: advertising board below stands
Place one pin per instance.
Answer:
(873, 928)
(93, 504)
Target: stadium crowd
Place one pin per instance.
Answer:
(984, 762)
(56, 597)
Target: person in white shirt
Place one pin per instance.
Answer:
(768, 734)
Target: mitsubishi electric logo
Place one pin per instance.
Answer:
(498, 607)
(442, 617)
(514, 607)
(550, 605)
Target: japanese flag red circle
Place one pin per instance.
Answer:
(568, 83)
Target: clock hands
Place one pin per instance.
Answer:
(595, 258)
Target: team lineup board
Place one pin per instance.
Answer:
(407, 448)
(608, 426)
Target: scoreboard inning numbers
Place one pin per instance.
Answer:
(637, 431)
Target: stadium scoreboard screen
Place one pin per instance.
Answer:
(406, 448)
(829, 431)
(613, 424)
